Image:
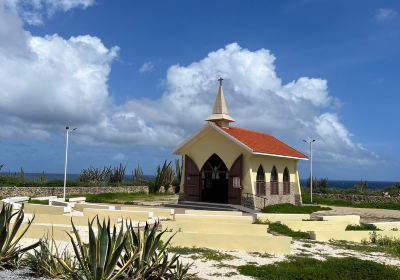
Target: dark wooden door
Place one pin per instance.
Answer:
(191, 186)
(235, 182)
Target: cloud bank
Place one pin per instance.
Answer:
(48, 82)
(34, 11)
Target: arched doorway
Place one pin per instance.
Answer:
(214, 180)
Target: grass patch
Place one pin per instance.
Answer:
(287, 208)
(284, 230)
(331, 269)
(202, 253)
(387, 245)
(347, 203)
(35, 201)
(362, 227)
(124, 198)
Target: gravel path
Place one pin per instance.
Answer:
(20, 274)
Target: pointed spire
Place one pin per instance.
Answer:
(220, 114)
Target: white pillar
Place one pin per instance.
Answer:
(66, 162)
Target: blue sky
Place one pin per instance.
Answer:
(347, 50)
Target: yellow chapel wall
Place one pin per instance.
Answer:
(214, 142)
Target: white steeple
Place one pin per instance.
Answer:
(220, 114)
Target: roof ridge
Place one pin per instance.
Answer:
(250, 130)
(226, 129)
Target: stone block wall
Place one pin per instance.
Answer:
(59, 191)
(358, 197)
(258, 202)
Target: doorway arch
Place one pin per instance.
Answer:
(214, 180)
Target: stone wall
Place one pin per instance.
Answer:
(58, 191)
(259, 202)
(358, 197)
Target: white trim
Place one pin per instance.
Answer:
(275, 155)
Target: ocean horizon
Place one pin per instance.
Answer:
(334, 183)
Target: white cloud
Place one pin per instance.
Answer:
(32, 11)
(146, 67)
(256, 96)
(48, 82)
(385, 14)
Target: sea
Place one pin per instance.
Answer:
(341, 184)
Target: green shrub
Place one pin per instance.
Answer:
(152, 260)
(10, 251)
(331, 269)
(35, 201)
(362, 227)
(45, 261)
(99, 259)
(123, 254)
(284, 230)
(388, 244)
(287, 208)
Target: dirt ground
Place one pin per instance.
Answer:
(366, 214)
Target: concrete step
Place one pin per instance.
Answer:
(199, 207)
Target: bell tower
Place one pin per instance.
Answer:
(220, 115)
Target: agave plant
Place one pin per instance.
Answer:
(44, 262)
(10, 235)
(98, 259)
(152, 260)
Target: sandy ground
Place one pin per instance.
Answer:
(366, 214)
(227, 269)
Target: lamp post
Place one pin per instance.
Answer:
(311, 176)
(67, 128)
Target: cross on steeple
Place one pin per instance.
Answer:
(220, 114)
(220, 81)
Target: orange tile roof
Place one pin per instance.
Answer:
(261, 142)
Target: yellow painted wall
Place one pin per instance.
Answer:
(212, 142)
(268, 162)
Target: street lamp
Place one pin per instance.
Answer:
(311, 176)
(66, 158)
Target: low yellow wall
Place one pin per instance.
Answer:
(214, 218)
(316, 225)
(141, 216)
(157, 212)
(217, 228)
(272, 217)
(65, 220)
(351, 235)
(350, 219)
(207, 212)
(36, 231)
(81, 206)
(43, 209)
(262, 244)
(387, 225)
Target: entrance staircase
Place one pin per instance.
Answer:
(209, 206)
